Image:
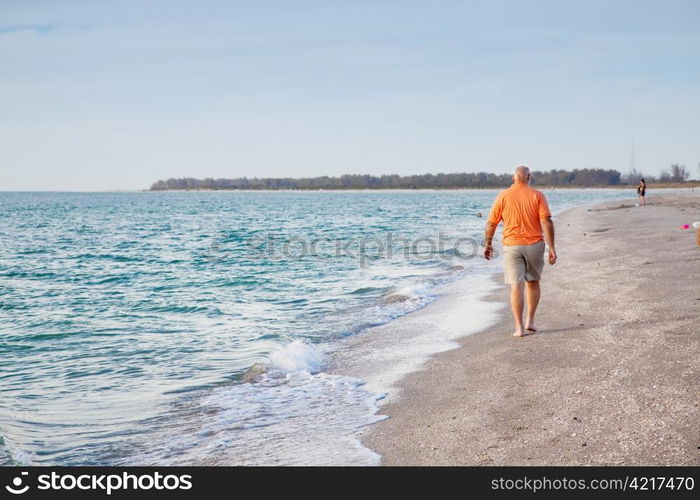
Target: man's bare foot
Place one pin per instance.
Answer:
(531, 327)
(519, 332)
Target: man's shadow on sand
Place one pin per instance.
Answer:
(560, 330)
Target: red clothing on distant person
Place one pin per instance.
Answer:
(520, 207)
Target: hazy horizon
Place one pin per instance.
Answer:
(115, 96)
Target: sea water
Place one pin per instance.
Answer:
(197, 327)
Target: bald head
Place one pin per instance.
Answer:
(521, 174)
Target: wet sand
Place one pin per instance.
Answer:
(611, 378)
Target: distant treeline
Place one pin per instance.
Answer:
(586, 177)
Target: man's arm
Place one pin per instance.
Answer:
(548, 228)
(495, 216)
(488, 239)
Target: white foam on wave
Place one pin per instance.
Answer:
(297, 356)
(398, 301)
(401, 301)
(417, 291)
(10, 455)
(294, 419)
(293, 414)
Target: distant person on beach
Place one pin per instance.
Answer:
(641, 190)
(525, 213)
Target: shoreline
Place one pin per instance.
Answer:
(631, 188)
(496, 416)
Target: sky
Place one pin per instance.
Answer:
(112, 95)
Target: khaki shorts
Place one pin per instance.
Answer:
(523, 263)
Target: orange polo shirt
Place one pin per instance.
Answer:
(520, 207)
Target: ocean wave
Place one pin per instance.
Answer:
(410, 293)
(296, 419)
(10, 456)
(297, 356)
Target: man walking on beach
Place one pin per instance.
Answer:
(525, 214)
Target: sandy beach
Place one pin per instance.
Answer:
(611, 378)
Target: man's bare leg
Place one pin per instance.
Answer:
(516, 304)
(532, 294)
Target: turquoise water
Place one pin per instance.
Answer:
(128, 321)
